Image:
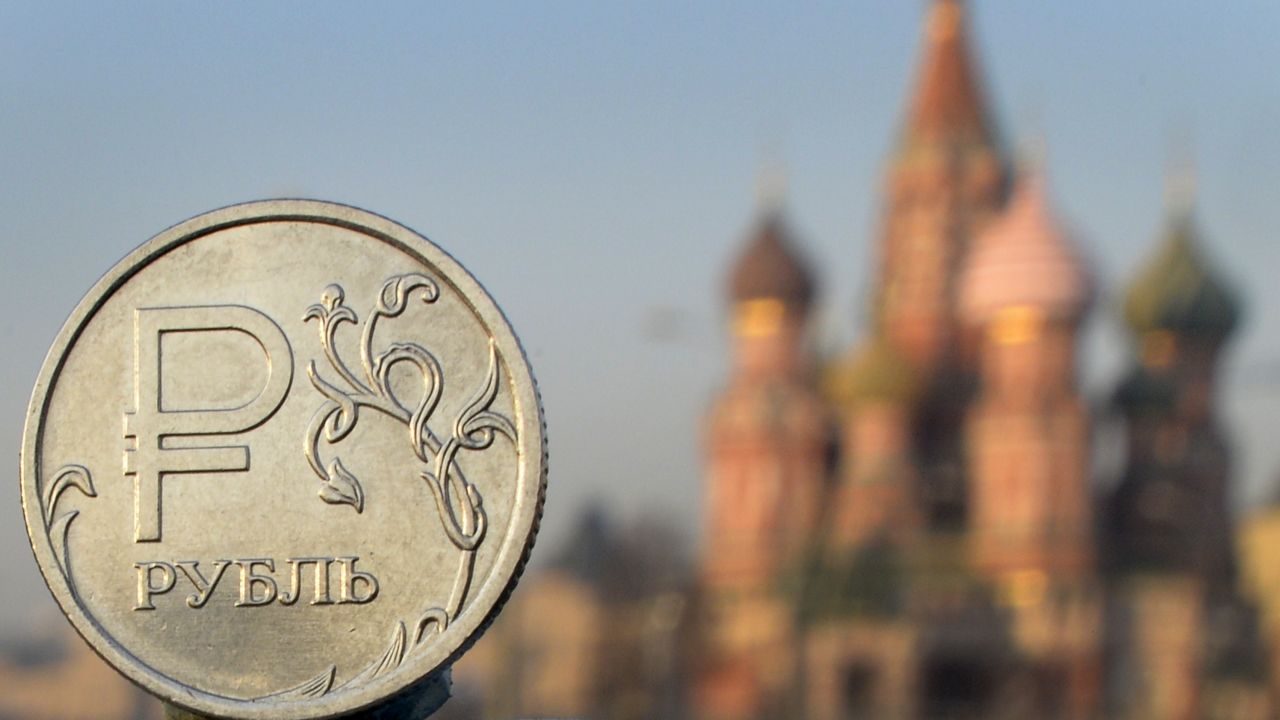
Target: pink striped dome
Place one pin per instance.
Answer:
(1024, 258)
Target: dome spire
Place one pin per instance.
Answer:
(1180, 185)
(771, 183)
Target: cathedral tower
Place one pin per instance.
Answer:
(1169, 523)
(945, 181)
(1026, 290)
(767, 434)
(767, 454)
(1171, 508)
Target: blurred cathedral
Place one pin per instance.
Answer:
(914, 529)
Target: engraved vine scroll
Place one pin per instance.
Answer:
(458, 502)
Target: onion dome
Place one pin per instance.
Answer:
(871, 372)
(771, 268)
(1179, 291)
(1025, 259)
(948, 102)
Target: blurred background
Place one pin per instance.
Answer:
(901, 360)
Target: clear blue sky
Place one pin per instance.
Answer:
(594, 164)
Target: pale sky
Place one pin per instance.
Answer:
(594, 163)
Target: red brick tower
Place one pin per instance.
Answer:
(767, 449)
(945, 181)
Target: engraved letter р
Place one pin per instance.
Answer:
(286, 460)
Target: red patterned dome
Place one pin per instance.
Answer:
(1025, 259)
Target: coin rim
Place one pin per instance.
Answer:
(510, 562)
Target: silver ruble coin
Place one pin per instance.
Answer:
(285, 460)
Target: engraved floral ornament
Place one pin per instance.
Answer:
(67, 477)
(458, 502)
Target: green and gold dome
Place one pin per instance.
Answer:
(1179, 291)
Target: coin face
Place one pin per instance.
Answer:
(283, 461)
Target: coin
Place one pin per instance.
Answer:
(285, 460)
